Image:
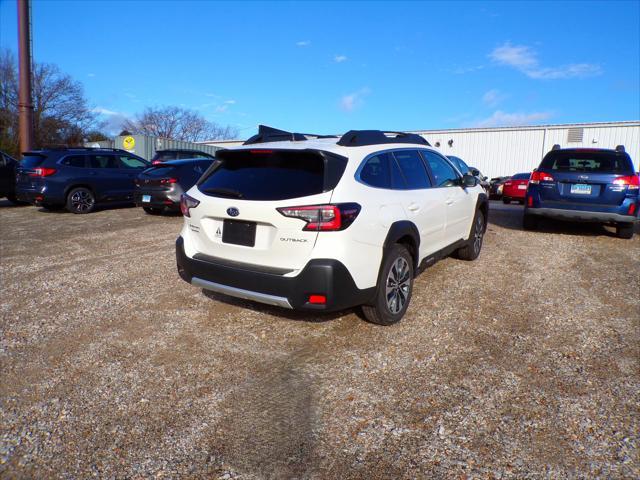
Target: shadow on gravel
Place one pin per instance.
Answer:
(510, 216)
(5, 203)
(300, 316)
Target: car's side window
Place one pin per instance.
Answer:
(376, 171)
(102, 161)
(444, 174)
(74, 161)
(131, 162)
(413, 169)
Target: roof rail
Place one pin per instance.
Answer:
(359, 138)
(269, 134)
(556, 147)
(620, 148)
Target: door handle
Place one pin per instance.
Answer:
(414, 207)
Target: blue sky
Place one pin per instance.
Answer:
(329, 67)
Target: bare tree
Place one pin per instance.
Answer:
(61, 114)
(179, 124)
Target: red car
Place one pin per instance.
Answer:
(515, 188)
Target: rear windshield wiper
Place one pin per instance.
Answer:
(226, 192)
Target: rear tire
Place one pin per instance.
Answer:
(624, 230)
(395, 285)
(529, 222)
(153, 210)
(81, 200)
(472, 249)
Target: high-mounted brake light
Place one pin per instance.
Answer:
(324, 218)
(42, 172)
(631, 181)
(538, 176)
(187, 203)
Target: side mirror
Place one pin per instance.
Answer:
(469, 181)
(474, 171)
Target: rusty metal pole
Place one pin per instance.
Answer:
(25, 102)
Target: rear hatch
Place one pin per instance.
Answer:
(29, 174)
(593, 178)
(238, 218)
(158, 178)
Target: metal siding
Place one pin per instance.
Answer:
(146, 145)
(506, 151)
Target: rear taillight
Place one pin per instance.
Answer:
(156, 162)
(168, 181)
(631, 181)
(507, 184)
(42, 172)
(187, 203)
(537, 177)
(324, 218)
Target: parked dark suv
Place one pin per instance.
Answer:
(589, 185)
(8, 177)
(178, 154)
(160, 187)
(78, 178)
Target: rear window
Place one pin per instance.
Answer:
(32, 161)
(270, 175)
(164, 157)
(521, 176)
(589, 161)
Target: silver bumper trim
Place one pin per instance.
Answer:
(240, 293)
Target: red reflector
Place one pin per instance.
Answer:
(632, 209)
(318, 299)
(39, 198)
(529, 201)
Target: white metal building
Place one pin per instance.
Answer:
(509, 150)
(501, 151)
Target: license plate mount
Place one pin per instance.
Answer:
(238, 232)
(580, 189)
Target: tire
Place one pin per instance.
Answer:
(529, 222)
(395, 285)
(81, 200)
(624, 230)
(505, 200)
(153, 210)
(472, 249)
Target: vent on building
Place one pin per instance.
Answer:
(574, 135)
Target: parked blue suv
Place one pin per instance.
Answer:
(589, 185)
(78, 178)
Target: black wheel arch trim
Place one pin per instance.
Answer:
(401, 230)
(482, 204)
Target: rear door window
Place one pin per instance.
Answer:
(413, 169)
(102, 161)
(78, 161)
(382, 171)
(266, 175)
(127, 161)
(443, 173)
(588, 162)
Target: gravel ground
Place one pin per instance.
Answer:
(523, 364)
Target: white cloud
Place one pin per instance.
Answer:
(505, 119)
(103, 111)
(493, 97)
(91, 74)
(354, 100)
(340, 58)
(525, 59)
(303, 43)
(230, 102)
(222, 108)
(113, 120)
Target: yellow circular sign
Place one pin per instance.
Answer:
(129, 143)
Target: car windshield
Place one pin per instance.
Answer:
(588, 161)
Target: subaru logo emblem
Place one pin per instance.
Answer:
(233, 211)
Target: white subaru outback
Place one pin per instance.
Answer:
(324, 223)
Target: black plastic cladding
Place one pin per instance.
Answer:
(360, 138)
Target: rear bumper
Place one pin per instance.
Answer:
(158, 200)
(319, 277)
(581, 215)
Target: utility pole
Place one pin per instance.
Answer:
(25, 102)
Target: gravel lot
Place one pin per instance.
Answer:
(523, 364)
